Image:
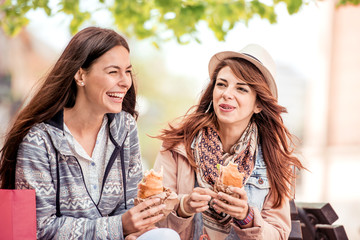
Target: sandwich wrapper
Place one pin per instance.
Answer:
(220, 187)
(167, 197)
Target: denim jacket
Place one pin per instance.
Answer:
(257, 186)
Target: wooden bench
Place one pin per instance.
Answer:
(314, 221)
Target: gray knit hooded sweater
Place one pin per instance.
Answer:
(64, 207)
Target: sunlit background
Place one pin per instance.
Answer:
(317, 52)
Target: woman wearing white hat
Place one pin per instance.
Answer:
(237, 120)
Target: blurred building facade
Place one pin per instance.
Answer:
(23, 61)
(332, 130)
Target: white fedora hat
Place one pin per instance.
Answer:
(255, 54)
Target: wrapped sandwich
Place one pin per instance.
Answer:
(151, 186)
(229, 176)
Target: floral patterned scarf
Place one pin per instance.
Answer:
(208, 152)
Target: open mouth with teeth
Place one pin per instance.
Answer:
(116, 96)
(226, 107)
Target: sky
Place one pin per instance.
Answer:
(285, 41)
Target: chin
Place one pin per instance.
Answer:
(224, 121)
(114, 110)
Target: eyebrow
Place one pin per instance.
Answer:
(222, 79)
(117, 67)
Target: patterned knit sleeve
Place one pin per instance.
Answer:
(35, 169)
(133, 164)
(135, 171)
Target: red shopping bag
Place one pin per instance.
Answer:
(17, 214)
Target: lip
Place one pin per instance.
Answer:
(226, 107)
(116, 97)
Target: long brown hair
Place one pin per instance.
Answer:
(59, 90)
(275, 139)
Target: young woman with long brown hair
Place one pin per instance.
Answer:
(238, 120)
(76, 144)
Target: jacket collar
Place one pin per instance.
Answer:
(57, 134)
(58, 119)
(179, 148)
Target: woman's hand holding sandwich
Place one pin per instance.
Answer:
(197, 201)
(235, 207)
(137, 218)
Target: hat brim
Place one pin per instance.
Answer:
(217, 58)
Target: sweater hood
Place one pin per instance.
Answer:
(55, 128)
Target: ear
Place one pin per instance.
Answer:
(79, 77)
(257, 108)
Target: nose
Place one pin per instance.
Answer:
(125, 80)
(227, 94)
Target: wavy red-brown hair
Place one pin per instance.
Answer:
(275, 139)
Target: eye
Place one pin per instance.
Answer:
(128, 72)
(241, 89)
(113, 72)
(220, 84)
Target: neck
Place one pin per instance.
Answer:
(229, 135)
(82, 122)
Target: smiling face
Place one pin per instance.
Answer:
(103, 86)
(234, 101)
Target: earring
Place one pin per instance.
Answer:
(208, 109)
(82, 83)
